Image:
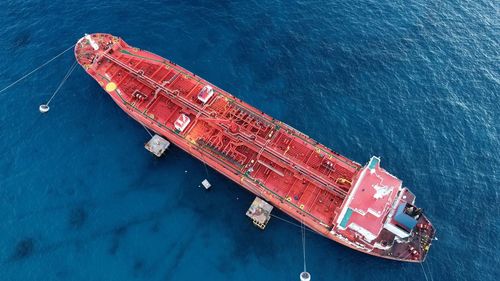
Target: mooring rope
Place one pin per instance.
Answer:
(303, 244)
(425, 275)
(145, 128)
(36, 69)
(68, 74)
(421, 263)
(292, 223)
(204, 164)
(429, 269)
(423, 267)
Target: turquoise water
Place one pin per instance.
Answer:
(415, 83)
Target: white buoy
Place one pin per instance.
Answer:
(206, 184)
(305, 276)
(44, 108)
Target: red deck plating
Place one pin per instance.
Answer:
(334, 196)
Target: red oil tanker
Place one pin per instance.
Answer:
(362, 207)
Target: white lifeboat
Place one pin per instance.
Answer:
(182, 122)
(205, 94)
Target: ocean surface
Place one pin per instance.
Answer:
(414, 82)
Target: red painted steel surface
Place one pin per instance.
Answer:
(285, 167)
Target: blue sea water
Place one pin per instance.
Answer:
(415, 82)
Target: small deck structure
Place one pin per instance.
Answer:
(157, 145)
(260, 212)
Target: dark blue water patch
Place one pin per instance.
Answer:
(138, 267)
(23, 249)
(22, 39)
(117, 234)
(155, 227)
(415, 83)
(77, 217)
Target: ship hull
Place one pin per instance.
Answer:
(104, 67)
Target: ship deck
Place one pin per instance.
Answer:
(280, 159)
